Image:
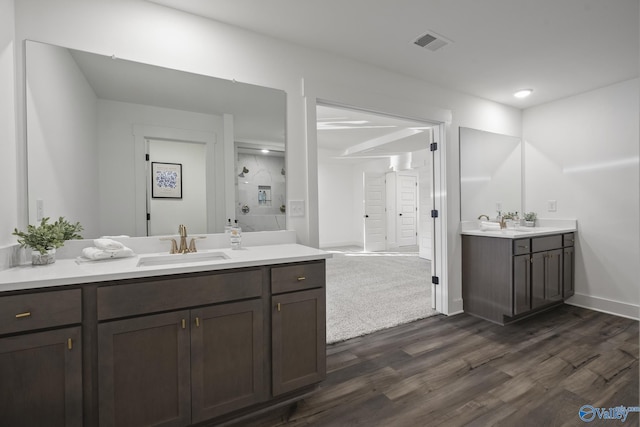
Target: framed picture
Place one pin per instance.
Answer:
(166, 180)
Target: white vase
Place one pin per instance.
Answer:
(530, 223)
(38, 258)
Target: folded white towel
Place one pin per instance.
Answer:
(94, 253)
(486, 225)
(119, 236)
(108, 244)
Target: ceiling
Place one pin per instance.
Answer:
(359, 135)
(557, 48)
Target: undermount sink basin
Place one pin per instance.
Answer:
(173, 259)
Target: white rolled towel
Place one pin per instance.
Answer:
(108, 244)
(94, 253)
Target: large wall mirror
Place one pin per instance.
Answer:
(134, 149)
(490, 174)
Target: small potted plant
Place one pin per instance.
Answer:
(43, 239)
(530, 219)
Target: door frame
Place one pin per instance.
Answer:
(440, 120)
(141, 133)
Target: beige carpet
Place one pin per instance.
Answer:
(367, 292)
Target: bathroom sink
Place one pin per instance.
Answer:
(520, 230)
(173, 259)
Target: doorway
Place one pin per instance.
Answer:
(375, 196)
(186, 200)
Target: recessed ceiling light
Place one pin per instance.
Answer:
(523, 93)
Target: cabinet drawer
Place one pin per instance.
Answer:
(40, 310)
(297, 277)
(539, 244)
(177, 292)
(568, 239)
(521, 246)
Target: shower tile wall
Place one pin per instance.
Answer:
(265, 176)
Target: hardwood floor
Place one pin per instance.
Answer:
(463, 371)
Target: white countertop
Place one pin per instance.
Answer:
(544, 227)
(72, 271)
(520, 232)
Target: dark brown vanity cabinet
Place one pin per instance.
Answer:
(569, 263)
(177, 350)
(41, 371)
(298, 326)
(185, 366)
(504, 279)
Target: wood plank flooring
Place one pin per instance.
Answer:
(463, 371)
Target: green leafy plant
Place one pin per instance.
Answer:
(530, 216)
(48, 236)
(508, 215)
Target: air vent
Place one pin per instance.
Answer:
(432, 41)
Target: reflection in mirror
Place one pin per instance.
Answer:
(260, 187)
(93, 121)
(490, 174)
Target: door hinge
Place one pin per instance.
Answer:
(434, 213)
(433, 146)
(148, 217)
(146, 157)
(435, 280)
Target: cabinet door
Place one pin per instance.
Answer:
(41, 379)
(298, 339)
(546, 277)
(568, 269)
(553, 276)
(521, 284)
(143, 371)
(538, 261)
(226, 358)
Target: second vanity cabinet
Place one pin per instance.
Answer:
(504, 279)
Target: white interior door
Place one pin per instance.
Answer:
(407, 208)
(374, 214)
(165, 214)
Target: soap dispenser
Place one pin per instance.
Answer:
(227, 228)
(235, 236)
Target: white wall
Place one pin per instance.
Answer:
(337, 183)
(62, 111)
(8, 171)
(149, 33)
(583, 152)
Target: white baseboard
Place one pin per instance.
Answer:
(324, 245)
(455, 307)
(617, 308)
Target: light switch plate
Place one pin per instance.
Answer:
(39, 210)
(552, 205)
(296, 207)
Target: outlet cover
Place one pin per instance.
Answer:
(552, 205)
(296, 207)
